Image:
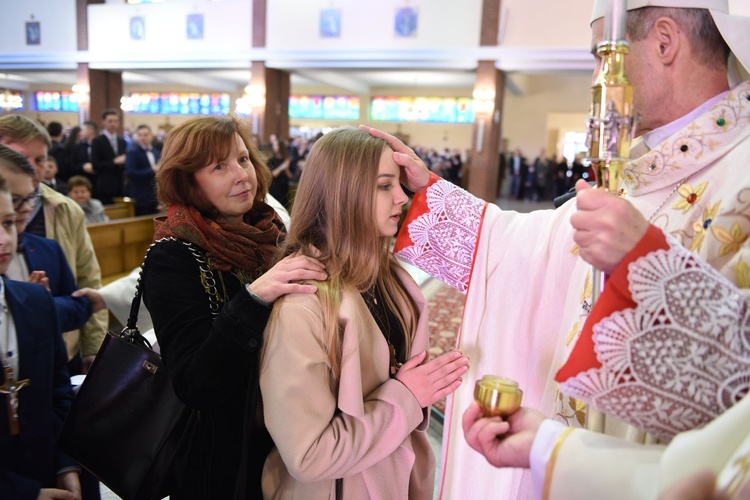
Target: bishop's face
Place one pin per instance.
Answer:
(640, 71)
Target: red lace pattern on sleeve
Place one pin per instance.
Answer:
(680, 357)
(444, 237)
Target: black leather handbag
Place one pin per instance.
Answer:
(126, 425)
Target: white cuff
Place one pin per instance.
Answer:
(541, 450)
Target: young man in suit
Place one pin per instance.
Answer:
(108, 159)
(60, 218)
(39, 260)
(80, 156)
(57, 146)
(141, 165)
(50, 176)
(35, 385)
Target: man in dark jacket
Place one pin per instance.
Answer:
(141, 165)
(108, 159)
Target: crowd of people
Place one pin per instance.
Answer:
(115, 165)
(545, 178)
(448, 164)
(304, 346)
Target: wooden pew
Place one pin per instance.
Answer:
(122, 208)
(121, 244)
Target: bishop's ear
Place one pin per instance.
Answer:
(667, 36)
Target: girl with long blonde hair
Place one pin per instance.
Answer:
(345, 380)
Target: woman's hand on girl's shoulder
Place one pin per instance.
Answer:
(286, 277)
(433, 380)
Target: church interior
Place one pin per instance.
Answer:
(476, 80)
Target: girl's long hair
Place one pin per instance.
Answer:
(334, 220)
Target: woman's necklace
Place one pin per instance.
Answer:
(383, 320)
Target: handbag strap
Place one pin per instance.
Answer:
(208, 277)
(131, 331)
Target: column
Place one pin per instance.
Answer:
(269, 88)
(269, 99)
(485, 147)
(488, 104)
(97, 89)
(106, 92)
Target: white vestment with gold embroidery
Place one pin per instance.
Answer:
(528, 293)
(593, 466)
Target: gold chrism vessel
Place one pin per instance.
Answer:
(498, 396)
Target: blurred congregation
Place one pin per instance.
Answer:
(285, 249)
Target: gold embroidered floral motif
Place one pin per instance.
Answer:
(700, 226)
(742, 274)
(572, 333)
(585, 300)
(588, 288)
(732, 239)
(742, 464)
(628, 177)
(579, 410)
(575, 250)
(578, 407)
(690, 196)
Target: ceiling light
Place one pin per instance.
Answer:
(10, 101)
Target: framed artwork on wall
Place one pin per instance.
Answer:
(33, 33)
(405, 24)
(330, 23)
(137, 28)
(195, 26)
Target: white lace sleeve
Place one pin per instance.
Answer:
(680, 357)
(445, 237)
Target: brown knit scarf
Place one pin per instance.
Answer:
(249, 245)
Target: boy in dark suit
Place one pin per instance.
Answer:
(141, 165)
(35, 385)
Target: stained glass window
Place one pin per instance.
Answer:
(64, 101)
(179, 103)
(422, 109)
(324, 107)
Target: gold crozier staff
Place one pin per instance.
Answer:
(611, 127)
